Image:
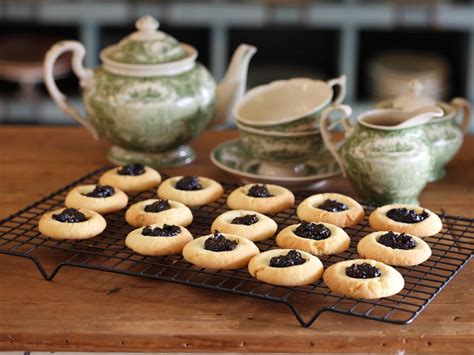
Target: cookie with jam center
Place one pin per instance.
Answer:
(134, 177)
(158, 239)
(71, 223)
(393, 248)
(102, 199)
(263, 198)
(363, 278)
(315, 238)
(337, 209)
(191, 190)
(409, 219)
(248, 224)
(220, 251)
(158, 211)
(286, 267)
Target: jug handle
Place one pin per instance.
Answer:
(325, 124)
(84, 74)
(341, 81)
(462, 104)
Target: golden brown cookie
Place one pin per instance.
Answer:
(158, 211)
(71, 223)
(191, 190)
(387, 282)
(131, 178)
(413, 220)
(333, 208)
(306, 273)
(158, 239)
(394, 248)
(98, 198)
(248, 224)
(232, 252)
(264, 198)
(314, 238)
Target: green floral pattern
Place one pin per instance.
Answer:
(388, 166)
(150, 115)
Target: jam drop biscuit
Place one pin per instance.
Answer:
(191, 190)
(409, 219)
(286, 267)
(131, 178)
(393, 248)
(363, 278)
(248, 224)
(314, 238)
(333, 208)
(99, 198)
(71, 223)
(157, 211)
(261, 198)
(158, 239)
(220, 251)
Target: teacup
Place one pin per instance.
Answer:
(293, 105)
(281, 153)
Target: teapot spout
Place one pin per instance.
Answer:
(233, 86)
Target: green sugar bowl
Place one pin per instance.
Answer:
(445, 133)
(149, 97)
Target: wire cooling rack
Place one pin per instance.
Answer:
(452, 248)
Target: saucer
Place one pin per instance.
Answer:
(231, 157)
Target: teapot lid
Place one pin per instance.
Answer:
(147, 45)
(413, 99)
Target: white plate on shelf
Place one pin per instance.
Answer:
(231, 157)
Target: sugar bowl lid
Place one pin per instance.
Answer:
(147, 45)
(412, 100)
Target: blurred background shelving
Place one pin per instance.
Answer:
(319, 39)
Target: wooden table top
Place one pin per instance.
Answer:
(84, 310)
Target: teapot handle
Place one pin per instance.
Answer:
(325, 124)
(464, 105)
(84, 74)
(341, 81)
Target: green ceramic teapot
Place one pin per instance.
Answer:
(149, 97)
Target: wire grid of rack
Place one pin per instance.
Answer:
(452, 249)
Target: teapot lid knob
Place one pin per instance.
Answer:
(147, 24)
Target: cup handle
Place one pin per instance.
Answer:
(341, 82)
(84, 74)
(325, 125)
(465, 106)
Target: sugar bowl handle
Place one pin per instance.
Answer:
(84, 74)
(465, 106)
(341, 82)
(326, 125)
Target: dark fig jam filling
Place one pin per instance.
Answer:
(70, 215)
(133, 169)
(333, 206)
(166, 231)
(189, 183)
(363, 271)
(406, 215)
(292, 258)
(311, 230)
(158, 206)
(101, 191)
(259, 191)
(397, 241)
(246, 220)
(219, 243)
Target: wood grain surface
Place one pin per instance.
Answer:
(95, 311)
